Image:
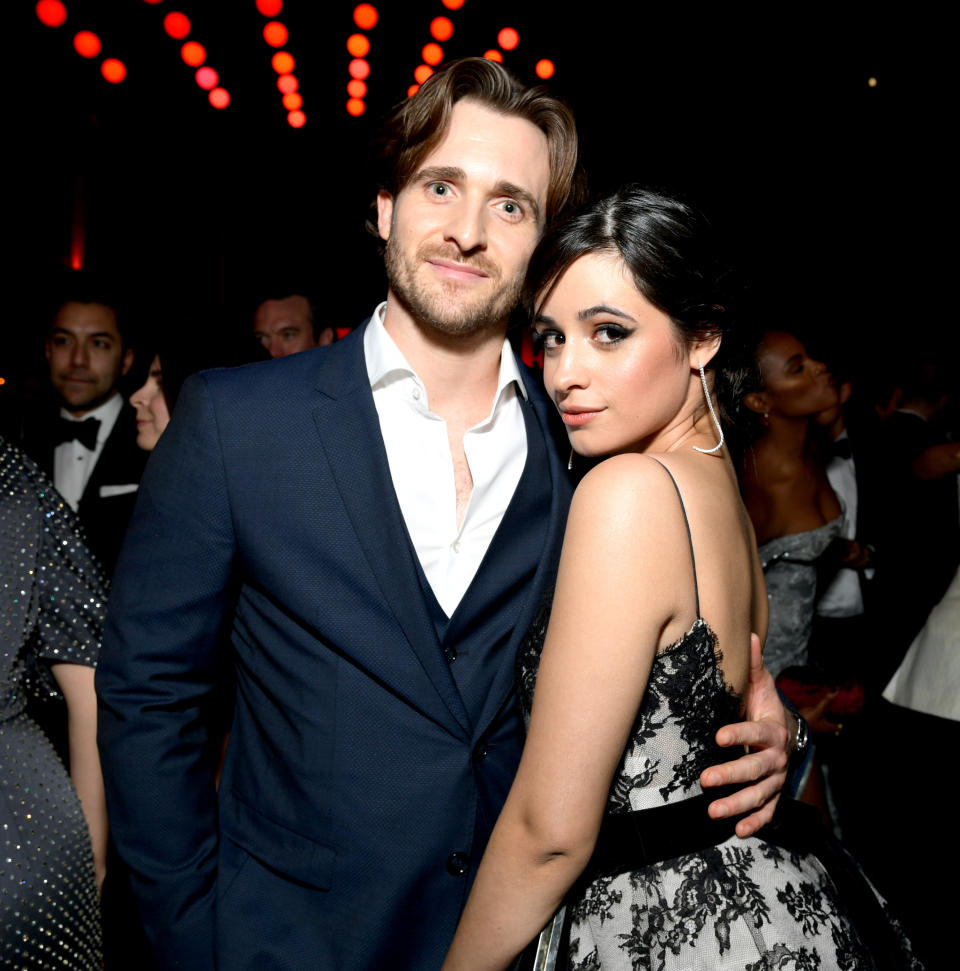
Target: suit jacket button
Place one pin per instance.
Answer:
(458, 864)
(480, 752)
(451, 653)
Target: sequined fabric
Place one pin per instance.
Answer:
(52, 607)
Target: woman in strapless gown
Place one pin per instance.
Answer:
(642, 655)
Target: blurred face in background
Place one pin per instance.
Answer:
(86, 355)
(285, 326)
(153, 415)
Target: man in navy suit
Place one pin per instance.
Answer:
(375, 569)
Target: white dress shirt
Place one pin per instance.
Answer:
(421, 463)
(72, 462)
(843, 596)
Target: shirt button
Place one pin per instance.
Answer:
(455, 546)
(416, 394)
(458, 864)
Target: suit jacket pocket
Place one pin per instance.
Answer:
(275, 845)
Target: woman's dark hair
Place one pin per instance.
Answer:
(672, 254)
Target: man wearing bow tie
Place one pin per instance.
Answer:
(89, 446)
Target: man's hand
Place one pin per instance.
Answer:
(767, 733)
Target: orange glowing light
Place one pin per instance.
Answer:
(282, 62)
(453, 4)
(176, 24)
(412, 90)
(4, 380)
(358, 69)
(441, 28)
(287, 83)
(269, 8)
(356, 107)
(86, 43)
(292, 101)
(358, 45)
(275, 34)
(193, 53)
(493, 55)
(356, 89)
(207, 78)
(365, 16)
(153, 3)
(544, 69)
(296, 119)
(508, 38)
(432, 54)
(219, 97)
(113, 70)
(422, 72)
(51, 13)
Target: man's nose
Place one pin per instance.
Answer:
(467, 225)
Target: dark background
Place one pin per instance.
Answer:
(836, 196)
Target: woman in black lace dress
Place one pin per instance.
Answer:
(644, 657)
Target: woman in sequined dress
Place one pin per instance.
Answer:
(643, 655)
(52, 826)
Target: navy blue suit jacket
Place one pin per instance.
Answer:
(366, 765)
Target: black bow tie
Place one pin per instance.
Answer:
(85, 432)
(841, 448)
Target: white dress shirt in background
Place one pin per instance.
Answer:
(72, 462)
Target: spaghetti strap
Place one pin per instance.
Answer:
(686, 522)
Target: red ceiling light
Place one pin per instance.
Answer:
(296, 119)
(493, 55)
(207, 78)
(292, 101)
(86, 43)
(365, 16)
(356, 89)
(287, 83)
(282, 62)
(193, 53)
(441, 28)
(358, 45)
(176, 24)
(219, 97)
(412, 90)
(113, 70)
(275, 34)
(508, 38)
(359, 69)
(356, 107)
(544, 68)
(432, 54)
(51, 13)
(269, 8)
(422, 72)
(453, 4)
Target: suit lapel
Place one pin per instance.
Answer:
(349, 428)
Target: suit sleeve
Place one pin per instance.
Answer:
(169, 607)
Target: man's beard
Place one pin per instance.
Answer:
(445, 306)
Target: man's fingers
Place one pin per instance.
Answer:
(756, 657)
(763, 734)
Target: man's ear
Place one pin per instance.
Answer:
(127, 360)
(757, 402)
(384, 213)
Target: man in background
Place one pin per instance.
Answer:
(286, 325)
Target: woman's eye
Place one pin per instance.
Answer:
(610, 334)
(547, 339)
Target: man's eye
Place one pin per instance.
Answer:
(512, 208)
(439, 189)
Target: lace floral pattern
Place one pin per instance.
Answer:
(744, 904)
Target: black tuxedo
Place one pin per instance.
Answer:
(374, 739)
(103, 513)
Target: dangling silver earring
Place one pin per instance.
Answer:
(713, 415)
(570, 460)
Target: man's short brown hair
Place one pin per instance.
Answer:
(419, 124)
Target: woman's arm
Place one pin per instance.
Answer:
(615, 602)
(76, 683)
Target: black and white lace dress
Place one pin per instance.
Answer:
(745, 903)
